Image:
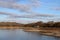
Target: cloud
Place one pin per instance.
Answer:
(24, 8)
(10, 0)
(20, 7)
(10, 14)
(13, 15)
(23, 21)
(56, 8)
(35, 3)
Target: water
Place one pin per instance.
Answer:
(21, 35)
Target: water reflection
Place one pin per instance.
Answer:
(21, 35)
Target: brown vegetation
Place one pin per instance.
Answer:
(49, 28)
(50, 24)
(35, 25)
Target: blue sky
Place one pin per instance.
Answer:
(27, 11)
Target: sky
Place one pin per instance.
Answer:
(28, 11)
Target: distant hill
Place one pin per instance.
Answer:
(10, 24)
(42, 24)
(37, 24)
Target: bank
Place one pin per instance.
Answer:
(45, 31)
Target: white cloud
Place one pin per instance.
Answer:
(20, 7)
(12, 17)
(10, 0)
(56, 8)
(35, 3)
(34, 15)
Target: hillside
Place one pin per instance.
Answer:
(37, 24)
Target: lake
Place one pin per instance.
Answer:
(19, 34)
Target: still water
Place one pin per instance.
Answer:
(21, 35)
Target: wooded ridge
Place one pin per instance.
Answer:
(37, 24)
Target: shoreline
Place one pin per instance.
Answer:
(52, 32)
(55, 32)
(45, 33)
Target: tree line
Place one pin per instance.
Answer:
(42, 24)
(10, 24)
(37, 24)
